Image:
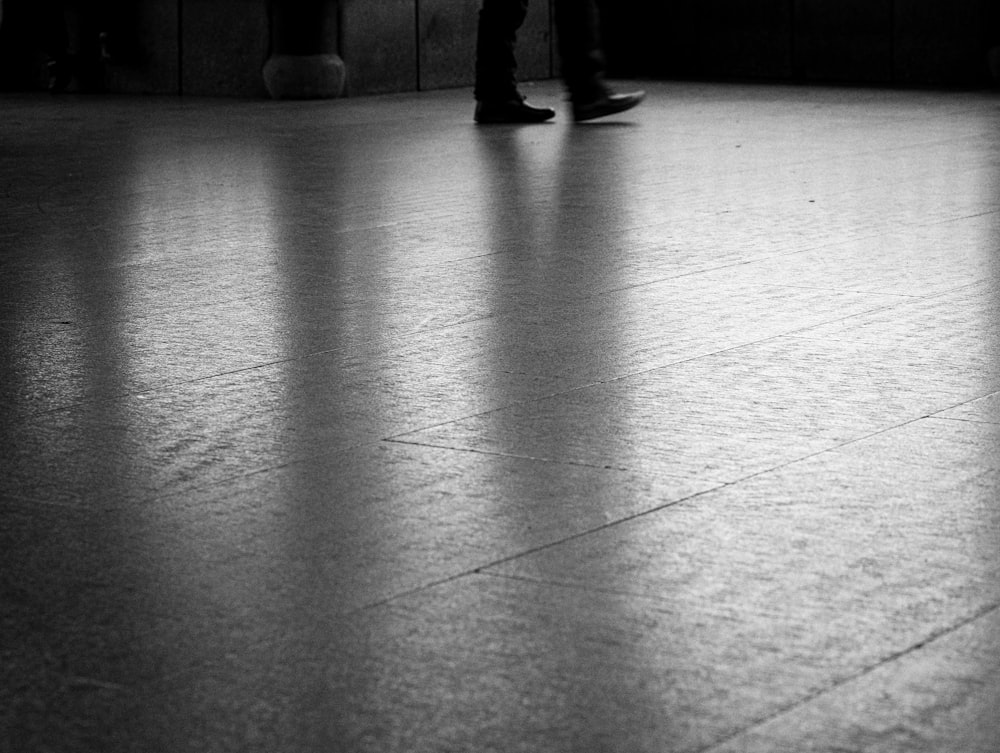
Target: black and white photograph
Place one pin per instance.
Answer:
(500, 376)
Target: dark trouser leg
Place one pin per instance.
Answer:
(578, 29)
(496, 68)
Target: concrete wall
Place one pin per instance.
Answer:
(404, 45)
(218, 47)
(223, 47)
(152, 62)
(943, 42)
(922, 42)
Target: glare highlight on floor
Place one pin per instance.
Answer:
(354, 426)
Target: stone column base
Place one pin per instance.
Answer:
(305, 76)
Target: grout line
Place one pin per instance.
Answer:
(719, 484)
(963, 420)
(612, 380)
(569, 586)
(809, 698)
(933, 637)
(375, 441)
(511, 455)
(534, 550)
(478, 570)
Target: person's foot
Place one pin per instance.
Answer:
(511, 111)
(605, 104)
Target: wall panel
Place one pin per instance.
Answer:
(379, 45)
(447, 42)
(939, 43)
(224, 47)
(148, 53)
(218, 47)
(845, 40)
(744, 40)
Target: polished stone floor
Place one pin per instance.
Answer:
(353, 426)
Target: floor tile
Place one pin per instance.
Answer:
(984, 409)
(133, 610)
(728, 415)
(495, 663)
(351, 425)
(952, 254)
(959, 321)
(833, 543)
(941, 696)
(170, 440)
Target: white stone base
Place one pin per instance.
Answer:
(304, 76)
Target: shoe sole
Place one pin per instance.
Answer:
(603, 112)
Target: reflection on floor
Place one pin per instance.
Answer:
(352, 426)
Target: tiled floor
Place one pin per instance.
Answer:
(352, 426)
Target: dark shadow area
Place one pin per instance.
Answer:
(65, 44)
(918, 43)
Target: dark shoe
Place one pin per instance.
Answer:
(512, 111)
(606, 104)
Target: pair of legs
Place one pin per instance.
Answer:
(579, 48)
(578, 32)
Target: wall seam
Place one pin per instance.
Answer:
(416, 37)
(180, 48)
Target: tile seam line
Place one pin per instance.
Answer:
(687, 498)
(685, 277)
(479, 570)
(433, 265)
(964, 420)
(80, 503)
(865, 671)
(401, 438)
(166, 387)
(794, 333)
(511, 455)
(343, 349)
(401, 337)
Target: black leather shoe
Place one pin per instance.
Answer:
(606, 104)
(511, 111)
